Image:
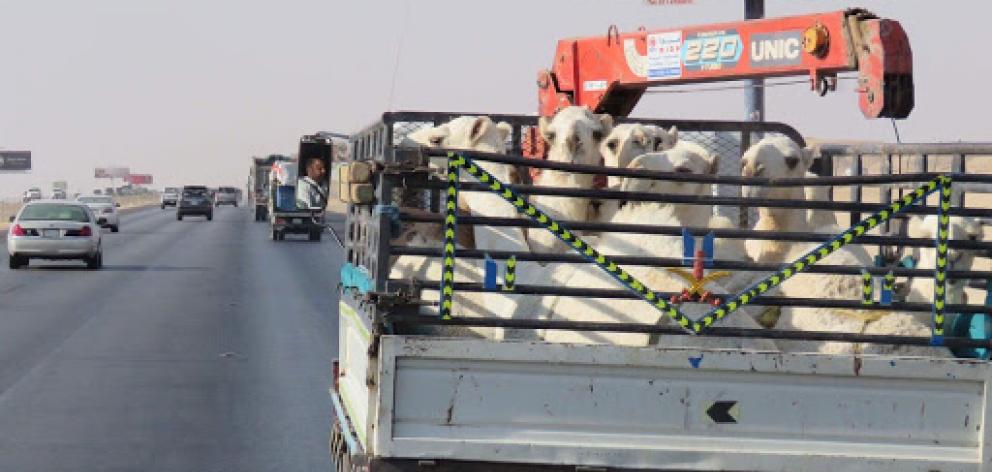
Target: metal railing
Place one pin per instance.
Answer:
(409, 169)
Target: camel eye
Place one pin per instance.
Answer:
(612, 145)
(791, 161)
(683, 170)
(597, 135)
(436, 141)
(549, 137)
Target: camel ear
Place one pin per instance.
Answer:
(640, 135)
(606, 121)
(504, 129)
(674, 133)
(480, 127)
(714, 163)
(543, 125)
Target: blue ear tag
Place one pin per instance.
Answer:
(492, 270)
(688, 247)
(708, 243)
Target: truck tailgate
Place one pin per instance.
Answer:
(597, 405)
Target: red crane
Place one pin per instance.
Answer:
(609, 74)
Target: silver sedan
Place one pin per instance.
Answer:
(55, 229)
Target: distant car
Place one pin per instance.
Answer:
(105, 208)
(226, 196)
(33, 193)
(97, 192)
(54, 229)
(170, 197)
(58, 194)
(195, 200)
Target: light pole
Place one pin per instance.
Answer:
(754, 94)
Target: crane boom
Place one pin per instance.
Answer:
(610, 74)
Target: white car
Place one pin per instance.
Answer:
(170, 197)
(105, 208)
(54, 229)
(226, 196)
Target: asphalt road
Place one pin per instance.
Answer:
(201, 346)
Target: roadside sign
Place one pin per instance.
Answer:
(111, 172)
(15, 161)
(139, 179)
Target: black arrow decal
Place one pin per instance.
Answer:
(719, 412)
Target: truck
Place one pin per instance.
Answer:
(413, 390)
(285, 214)
(258, 183)
(60, 190)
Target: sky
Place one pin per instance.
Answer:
(189, 90)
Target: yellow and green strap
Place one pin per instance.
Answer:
(824, 250)
(510, 276)
(940, 275)
(867, 287)
(456, 161)
(655, 299)
(450, 218)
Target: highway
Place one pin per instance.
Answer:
(201, 346)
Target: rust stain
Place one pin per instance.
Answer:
(450, 413)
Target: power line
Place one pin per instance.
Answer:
(399, 52)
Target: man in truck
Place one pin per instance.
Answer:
(311, 190)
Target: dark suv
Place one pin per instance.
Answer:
(195, 200)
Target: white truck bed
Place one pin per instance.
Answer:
(662, 409)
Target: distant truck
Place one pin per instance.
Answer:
(60, 190)
(33, 193)
(258, 183)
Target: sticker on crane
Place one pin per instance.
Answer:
(665, 55)
(712, 50)
(594, 85)
(637, 62)
(776, 49)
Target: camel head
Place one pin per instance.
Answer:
(775, 157)
(683, 159)
(477, 133)
(574, 134)
(629, 140)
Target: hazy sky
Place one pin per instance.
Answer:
(189, 90)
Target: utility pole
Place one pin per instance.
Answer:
(754, 94)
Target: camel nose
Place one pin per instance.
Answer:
(572, 143)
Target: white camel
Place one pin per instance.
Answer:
(922, 288)
(781, 157)
(477, 133)
(573, 136)
(658, 279)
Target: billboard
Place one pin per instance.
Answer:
(111, 172)
(15, 161)
(139, 179)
